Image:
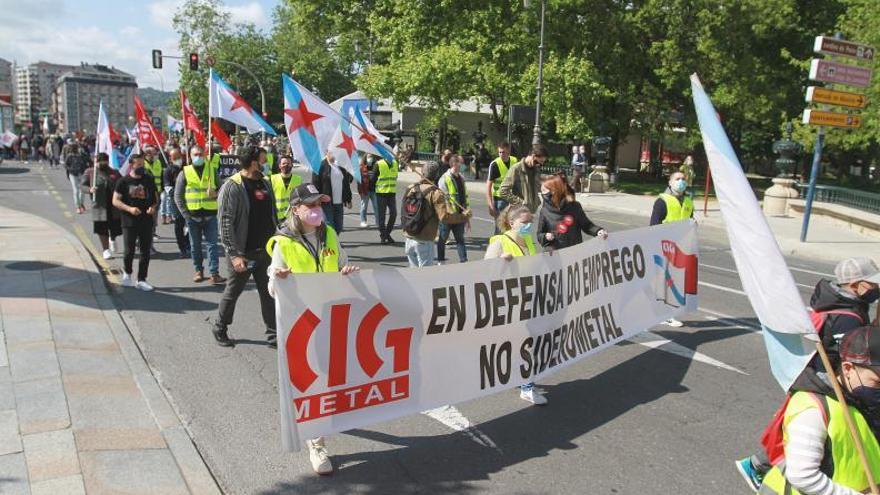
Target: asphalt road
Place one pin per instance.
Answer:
(665, 413)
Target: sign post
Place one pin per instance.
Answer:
(833, 72)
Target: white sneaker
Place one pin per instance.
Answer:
(144, 286)
(672, 322)
(107, 254)
(319, 457)
(532, 395)
(363, 224)
(112, 245)
(127, 281)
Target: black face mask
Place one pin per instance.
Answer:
(138, 172)
(870, 296)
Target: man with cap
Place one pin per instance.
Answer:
(837, 308)
(247, 219)
(820, 453)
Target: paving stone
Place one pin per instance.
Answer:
(108, 362)
(41, 405)
(32, 360)
(51, 454)
(23, 329)
(10, 440)
(68, 485)
(79, 335)
(23, 306)
(22, 284)
(4, 360)
(7, 394)
(75, 306)
(132, 472)
(13, 475)
(190, 463)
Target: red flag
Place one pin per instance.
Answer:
(221, 136)
(191, 120)
(146, 132)
(114, 136)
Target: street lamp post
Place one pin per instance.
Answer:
(536, 136)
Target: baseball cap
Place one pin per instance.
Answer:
(855, 269)
(862, 347)
(307, 193)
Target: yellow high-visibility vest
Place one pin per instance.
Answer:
(282, 193)
(502, 173)
(298, 258)
(511, 247)
(155, 169)
(196, 192)
(677, 211)
(387, 181)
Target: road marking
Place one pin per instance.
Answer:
(721, 287)
(734, 271)
(67, 214)
(654, 341)
(804, 270)
(730, 318)
(453, 418)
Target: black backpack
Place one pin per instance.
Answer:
(416, 209)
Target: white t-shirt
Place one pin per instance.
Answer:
(336, 184)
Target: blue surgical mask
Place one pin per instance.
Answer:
(679, 186)
(524, 229)
(198, 161)
(869, 396)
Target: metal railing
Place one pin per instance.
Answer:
(421, 156)
(861, 200)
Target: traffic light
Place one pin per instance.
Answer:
(193, 61)
(157, 59)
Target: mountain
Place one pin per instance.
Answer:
(154, 99)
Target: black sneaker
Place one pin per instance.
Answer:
(272, 338)
(219, 330)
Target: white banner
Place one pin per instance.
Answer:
(380, 344)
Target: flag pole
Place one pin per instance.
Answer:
(847, 416)
(185, 128)
(210, 97)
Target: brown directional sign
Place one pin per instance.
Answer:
(818, 117)
(832, 97)
(831, 46)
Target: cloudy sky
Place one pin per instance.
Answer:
(120, 33)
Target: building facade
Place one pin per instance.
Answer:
(78, 94)
(34, 86)
(6, 81)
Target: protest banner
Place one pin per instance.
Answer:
(228, 167)
(380, 344)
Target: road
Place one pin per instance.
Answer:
(665, 413)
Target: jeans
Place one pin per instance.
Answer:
(334, 216)
(236, 283)
(165, 204)
(419, 253)
(371, 197)
(75, 181)
(500, 205)
(386, 201)
(140, 235)
(458, 232)
(205, 229)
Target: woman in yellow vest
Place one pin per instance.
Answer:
(306, 244)
(515, 239)
(673, 205)
(820, 454)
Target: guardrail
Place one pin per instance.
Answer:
(861, 200)
(425, 157)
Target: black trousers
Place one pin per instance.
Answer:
(236, 283)
(141, 235)
(386, 201)
(180, 235)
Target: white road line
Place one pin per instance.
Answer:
(811, 272)
(734, 271)
(654, 341)
(721, 287)
(730, 318)
(453, 418)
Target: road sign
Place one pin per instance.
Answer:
(818, 117)
(834, 72)
(210, 61)
(831, 97)
(842, 48)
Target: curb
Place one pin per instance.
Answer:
(178, 438)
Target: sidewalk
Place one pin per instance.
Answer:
(828, 239)
(80, 411)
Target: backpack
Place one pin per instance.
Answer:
(416, 209)
(772, 440)
(818, 318)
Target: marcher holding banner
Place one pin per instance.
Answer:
(562, 220)
(306, 244)
(673, 205)
(515, 239)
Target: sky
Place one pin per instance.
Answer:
(121, 33)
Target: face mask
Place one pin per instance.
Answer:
(286, 170)
(871, 296)
(178, 162)
(868, 396)
(198, 161)
(138, 172)
(313, 217)
(679, 186)
(524, 229)
(103, 165)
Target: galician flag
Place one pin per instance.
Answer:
(788, 333)
(224, 103)
(103, 140)
(174, 125)
(367, 137)
(344, 151)
(310, 122)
